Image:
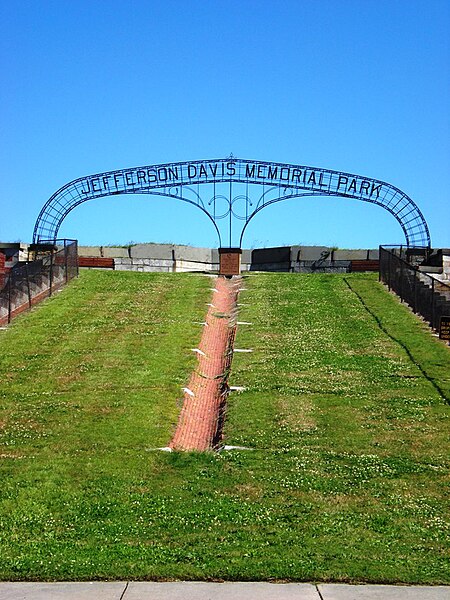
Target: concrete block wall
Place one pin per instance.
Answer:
(308, 253)
(333, 266)
(173, 258)
(159, 251)
(90, 251)
(271, 259)
(187, 258)
(144, 265)
(163, 258)
(23, 252)
(107, 252)
(446, 265)
(187, 266)
(355, 254)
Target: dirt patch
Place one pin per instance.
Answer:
(294, 419)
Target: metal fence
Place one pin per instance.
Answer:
(426, 295)
(29, 283)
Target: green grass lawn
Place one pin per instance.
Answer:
(346, 409)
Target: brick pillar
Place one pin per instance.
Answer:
(230, 261)
(2, 270)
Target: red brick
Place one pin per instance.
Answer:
(200, 415)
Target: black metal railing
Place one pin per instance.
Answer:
(28, 283)
(426, 295)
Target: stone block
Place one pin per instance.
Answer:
(279, 267)
(113, 252)
(152, 251)
(350, 254)
(311, 252)
(430, 269)
(311, 266)
(94, 251)
(446, 264)
(187, 266)
(160, 263)
(23, 252)
(188, 253)
(295, 253)
(147, 265)
(271, 255)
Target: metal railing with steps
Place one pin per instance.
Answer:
(426, 294)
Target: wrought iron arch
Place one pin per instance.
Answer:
(221, 179)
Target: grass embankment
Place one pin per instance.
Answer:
(344, 408)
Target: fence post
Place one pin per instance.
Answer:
(9, 298)
(389, 269)
(415, 291)
(51, 272)
(75, 256)
(432, 303)
(401, 280)
(66, 261)
(28, 285)
(380, 254)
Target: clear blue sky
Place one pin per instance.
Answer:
(94, 85)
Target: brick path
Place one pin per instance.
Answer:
(201, 417)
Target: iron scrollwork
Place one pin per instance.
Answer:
(230, 184)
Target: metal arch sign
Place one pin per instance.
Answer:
(228, 193)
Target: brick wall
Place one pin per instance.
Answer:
(2, 270)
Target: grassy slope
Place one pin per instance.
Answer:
(354, 438)
(348, 477)
(90, 380)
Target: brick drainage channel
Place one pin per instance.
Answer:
(202, 414)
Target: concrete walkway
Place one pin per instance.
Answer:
(216, 591)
